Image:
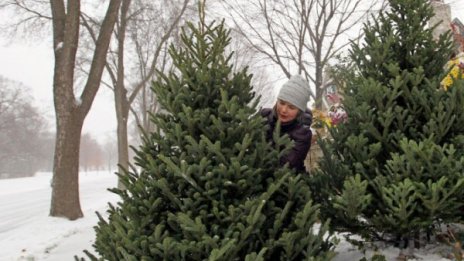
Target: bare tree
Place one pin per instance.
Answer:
(246, 56)
(70, 110)
(24, 135)
(72, 101)
(28, 20)
(300, 36)
(149, 25)
(157, 28)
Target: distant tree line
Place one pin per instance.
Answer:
(27, 141)
(97, 155)
(26, 145)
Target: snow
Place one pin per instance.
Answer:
(27, 232)
(78, 101)
(59, 46)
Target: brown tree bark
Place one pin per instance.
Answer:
(71, 111)
(120, 96)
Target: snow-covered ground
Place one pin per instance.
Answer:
(27, 232)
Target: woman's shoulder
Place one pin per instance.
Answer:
(302, 132)
(265, 112)
(306, 118)
(268, 114)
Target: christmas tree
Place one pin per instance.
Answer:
(395, 168)
(207, 185)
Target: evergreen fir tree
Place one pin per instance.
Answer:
(396, 167)
(207, 185)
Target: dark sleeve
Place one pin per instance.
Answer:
(302, 144)
(266, 112)
(306, 118)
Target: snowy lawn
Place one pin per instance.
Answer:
(27, 232)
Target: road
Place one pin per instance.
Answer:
(27, 232)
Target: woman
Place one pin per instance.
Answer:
(295, 120)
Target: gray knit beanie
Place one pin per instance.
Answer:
(295, 91)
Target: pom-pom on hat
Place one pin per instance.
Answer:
(295, 91)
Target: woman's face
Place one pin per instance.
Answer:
(286, 111)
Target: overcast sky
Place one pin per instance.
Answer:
(32, 64)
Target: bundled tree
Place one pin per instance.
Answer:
(395, 168)
(207, 185)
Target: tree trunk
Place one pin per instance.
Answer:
(123, 97)
(320, 88)
(120, 92)
(71, 112)
(123, 144)
(65, 187)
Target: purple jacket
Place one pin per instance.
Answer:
(299, 132)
